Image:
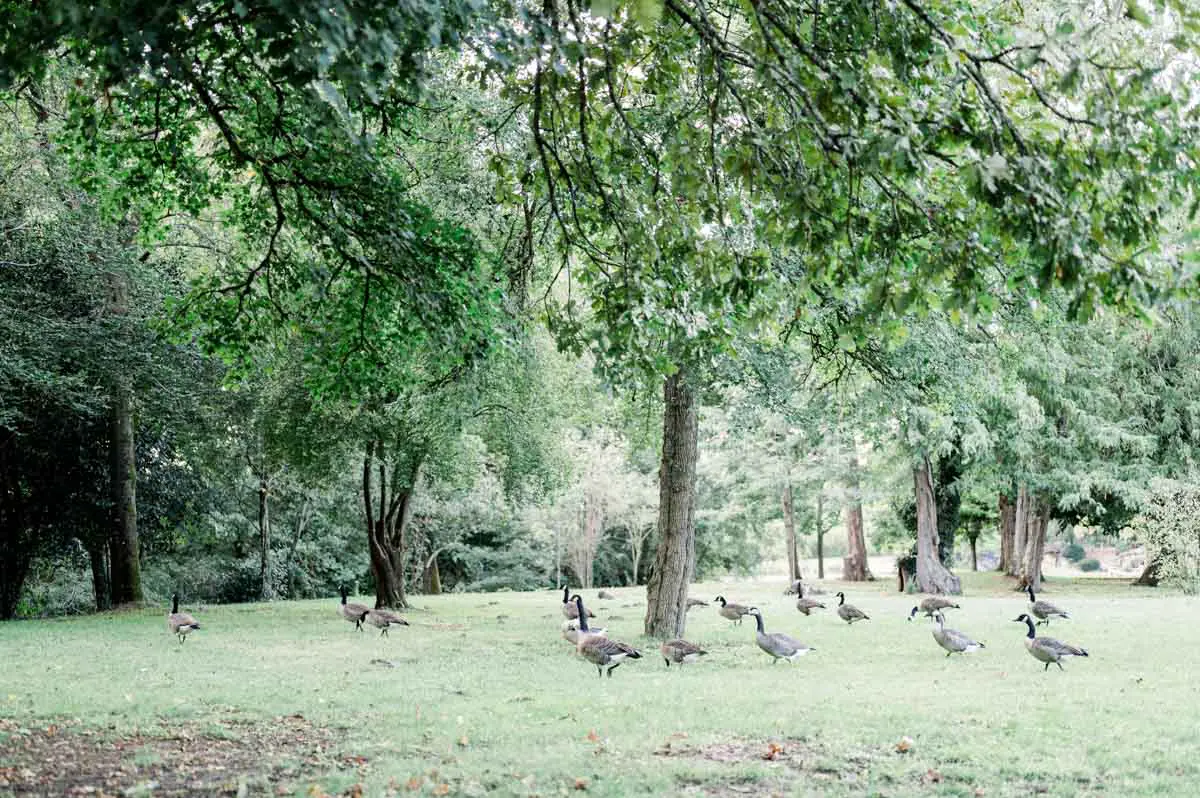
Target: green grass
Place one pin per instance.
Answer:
(483, 706)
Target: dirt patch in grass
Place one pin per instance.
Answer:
(783, 761)
(217, 758)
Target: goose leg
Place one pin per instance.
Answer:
(1059, 664)
(1047, 667)
(948, 653)
(613, 668)
(667, 661)
(600, 671)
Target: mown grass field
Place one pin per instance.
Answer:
(484, 698)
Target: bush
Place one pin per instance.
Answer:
(1074, 552)
(1169, 525)
(1089, 565)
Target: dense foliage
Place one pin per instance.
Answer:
(467, 295)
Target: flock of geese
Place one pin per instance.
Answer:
(596, 647)
(607, 654)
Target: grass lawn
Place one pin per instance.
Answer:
(481, 696)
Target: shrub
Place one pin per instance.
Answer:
(1074, 552)
(1089, 565)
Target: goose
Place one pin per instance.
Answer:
(569, 611)
(778, 645)
(804, 604)
(180, 623)
(1043, 610)
(680, 651)
(1047, 649)
(600, 651)
(848, 612)
(383, 619)
(570, 631)
(695, 603)
(733, 612)
(352, 612)
(954, 641)
(931, 605)
(604, 595)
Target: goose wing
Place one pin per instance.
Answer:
(180, 620)
(849, 611)
(782, 644)
(682, 648)
(1059, 648)
(959, 641)
(1046, 608)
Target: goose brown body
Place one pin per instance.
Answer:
(1046, 649)
(848, 612)
(777, 644)
(930, 605)
(353, 612)
(733, 612)
(803, 603)
(601, 651)
(680, 651)
(954, 641)
(384, 620)
(1043, 610)
(569, 610)
(180, 623)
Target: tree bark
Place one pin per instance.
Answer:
(98, 556)
(1035, 544)
(1020, 531)
(125, 566)
(1149, 577)
(932, 576)
(789, 533)
(675, 560)
(820, 536)
(266, 591)
(854, 564)
(387, 529)
(301, 523)
(974, 553)
(1007, 532)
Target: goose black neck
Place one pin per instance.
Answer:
(758, 620)
(566, 594)
(721, 600)
(1031, 596)
(174, 603)
(1029, 625)
(841, 599)
(343, 598)
(583, 624)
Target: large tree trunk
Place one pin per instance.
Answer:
(820, 536)
(789, 533)
(125, 566)
(974, 552)
(932, 576)
(1149, 577)
(1007, 532)
(387, 530)
(1035, 544)
(1020, 531)
(675, 560)
(98, 556)
(854, 564)
(266, 591)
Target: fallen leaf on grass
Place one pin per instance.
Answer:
(581, 784)
(932, 777)
(463, 741)
(905, 745)
(592, 737)
(442, 789)
(414, 783)
(773, 751)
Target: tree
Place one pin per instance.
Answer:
(851, 203)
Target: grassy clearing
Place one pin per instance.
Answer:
(484, 697)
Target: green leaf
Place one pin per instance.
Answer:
(1135, 12)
